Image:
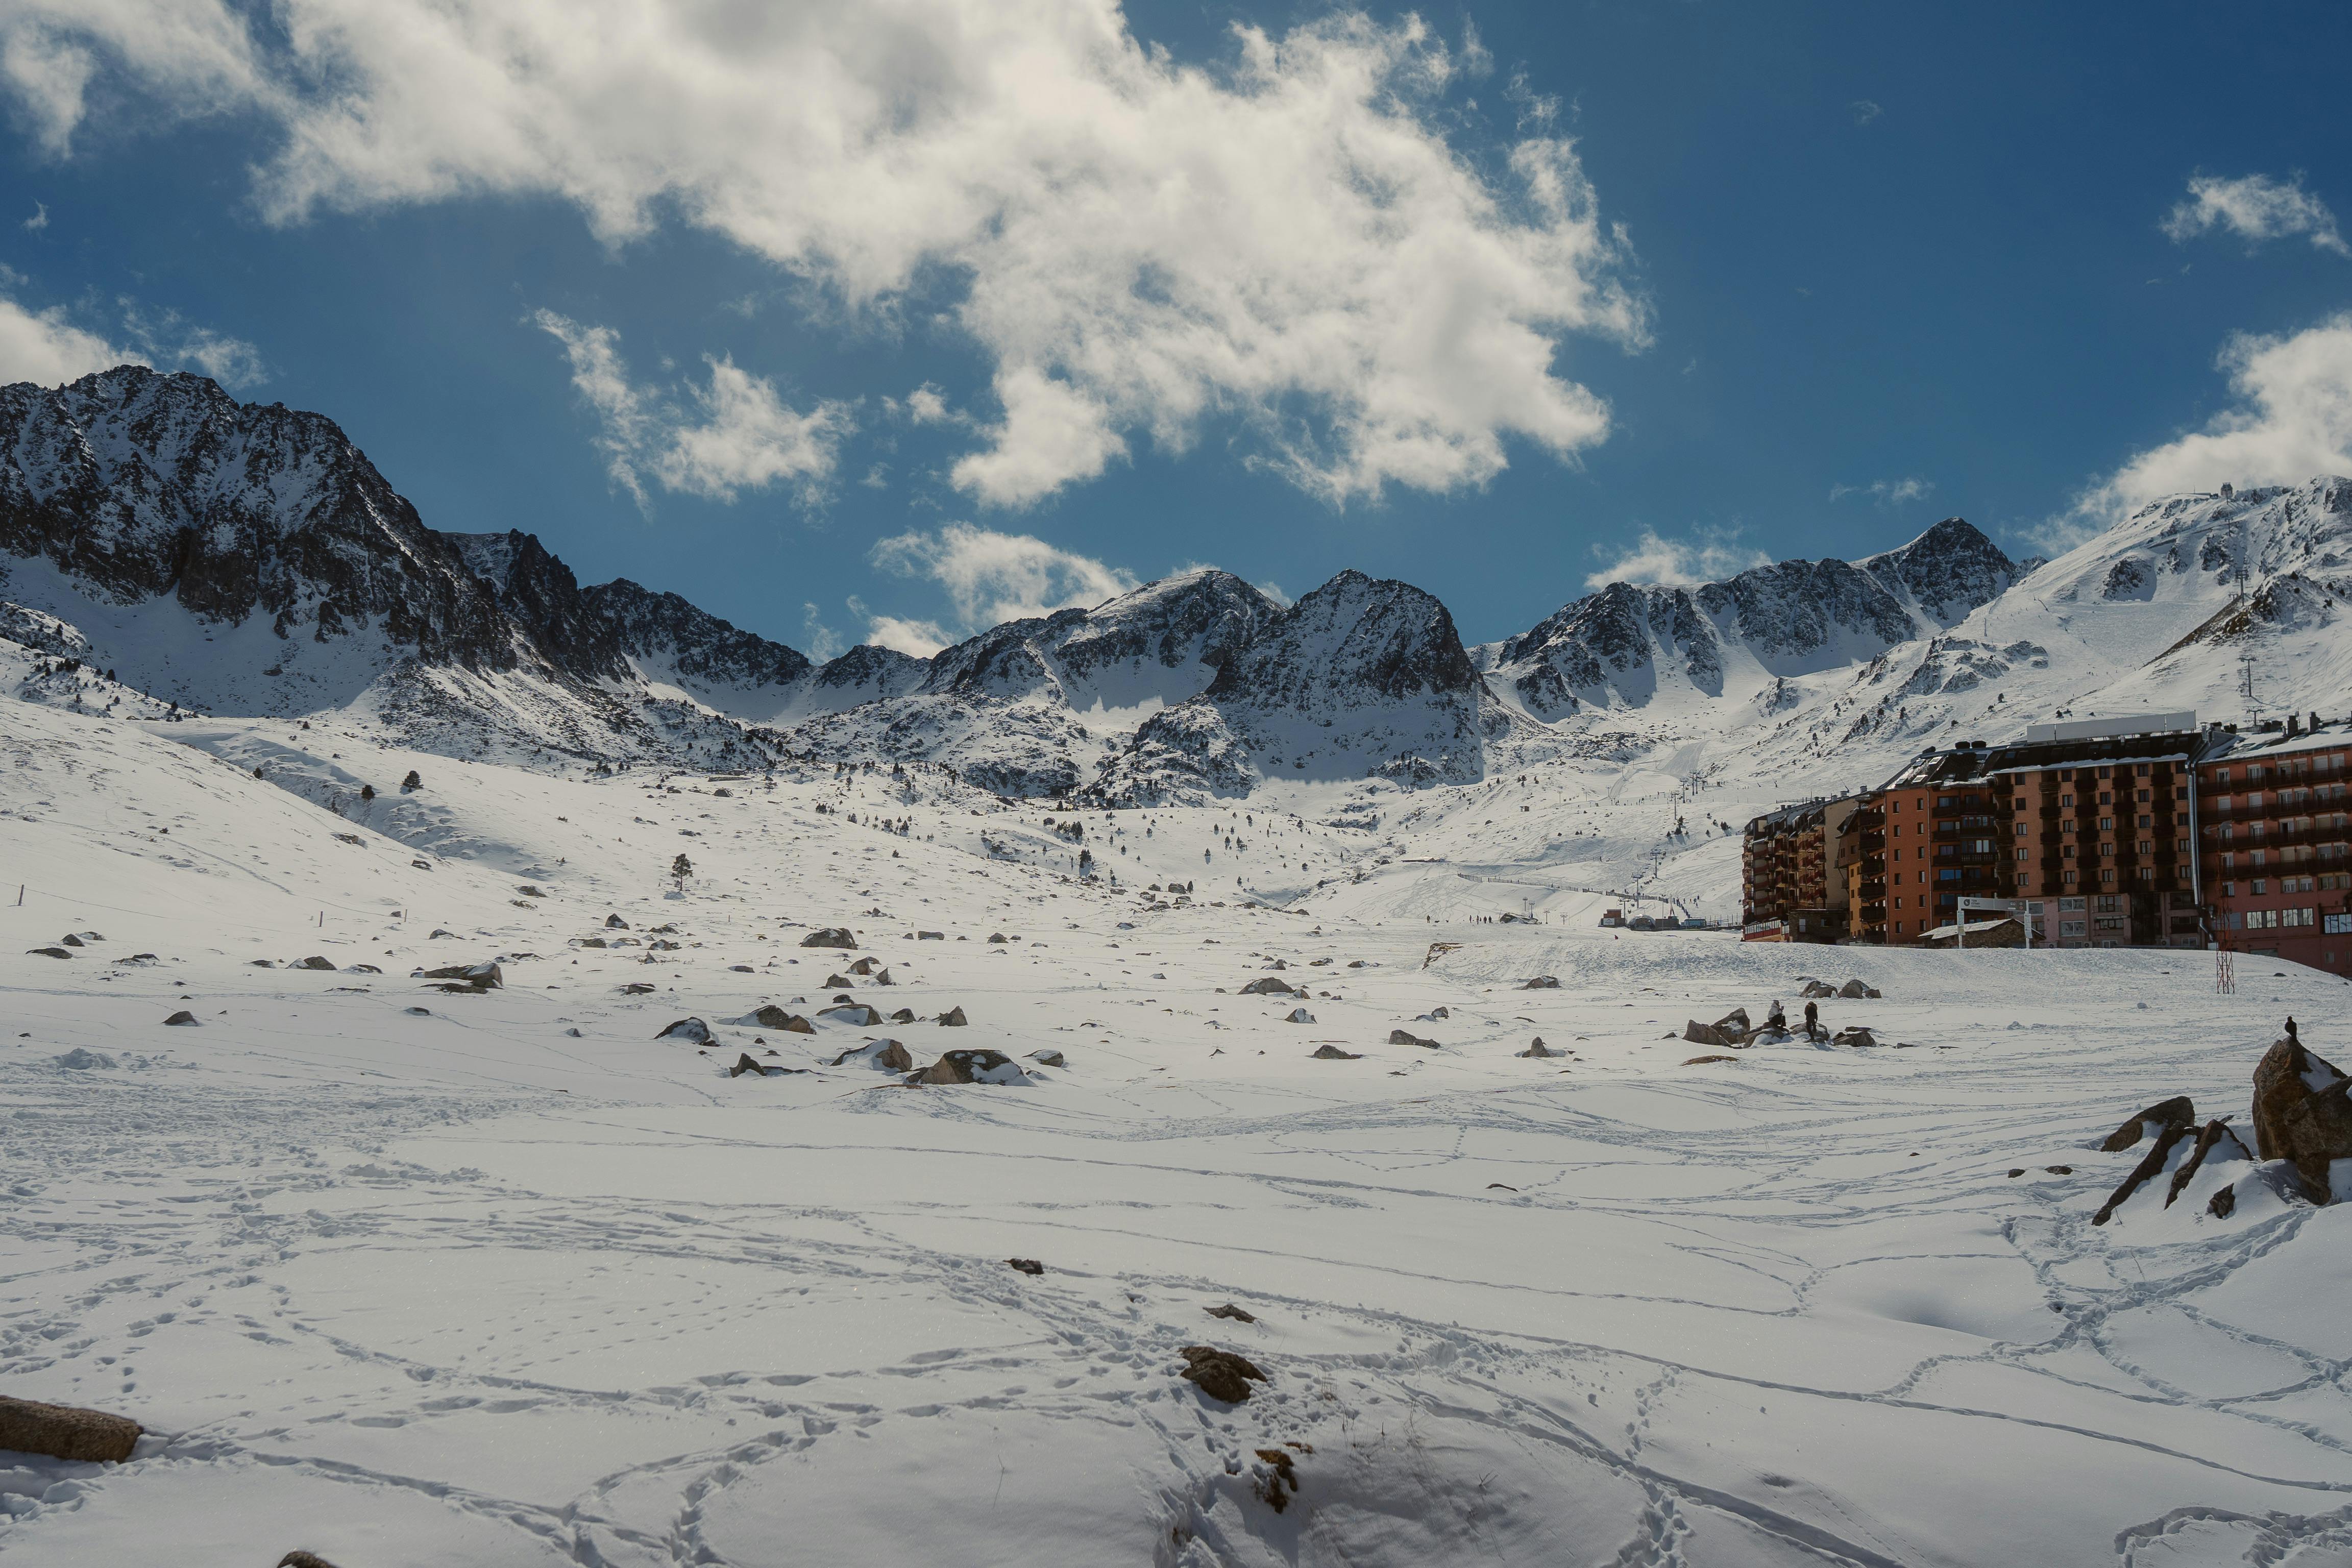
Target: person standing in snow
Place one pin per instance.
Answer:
(1813, 1020)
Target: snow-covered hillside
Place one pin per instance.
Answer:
(404, 1273)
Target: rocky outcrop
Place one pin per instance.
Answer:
(2301, 1114)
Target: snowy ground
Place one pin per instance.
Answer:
(508, 1280)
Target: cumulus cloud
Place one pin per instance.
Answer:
(1886, 492)
(1864, 111)
(2292, 421)
(993, 577)
(736, 434)
(1675, 562)
(44, 347)
(920, 638)
(47, 348)
(1288, 242)
(2254, 208)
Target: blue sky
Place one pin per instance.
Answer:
(741, 308)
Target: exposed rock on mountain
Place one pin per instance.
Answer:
(1360, 677)
(1627, 645)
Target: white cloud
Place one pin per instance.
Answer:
(1886, 492)
(1864, 111)
(824, 642)
(39, 220)
(46, 348)
(172, 338)
(920, 638)
(2254, 208)
(734, 435)
(1287, 241)
(994, 577)
(1675, 562)
(2293, 421)
(43, 347)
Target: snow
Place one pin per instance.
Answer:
(465, 1285)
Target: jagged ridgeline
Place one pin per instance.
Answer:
(249, 559)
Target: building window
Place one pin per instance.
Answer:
(2109, 903)
(2073, 928)
(2339, 925)
(2302, 917)
(2068, 876)
(2260, 885)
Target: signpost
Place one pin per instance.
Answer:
(2022, 908)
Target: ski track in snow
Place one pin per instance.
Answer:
(462, 1287)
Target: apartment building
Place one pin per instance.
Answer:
(2272, 834)
(2089, 822)
(1790, 890)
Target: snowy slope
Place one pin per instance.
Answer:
(407, 1277)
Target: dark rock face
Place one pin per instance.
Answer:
(143, 485)
(1358, 678)
(663, 630)
(2302, 1113)
(1616, 647)
(1948, 571)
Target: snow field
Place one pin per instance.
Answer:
(464, 1286)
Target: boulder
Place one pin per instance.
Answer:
(1231, 1312)
(1049, 1057)
(856, 1013)
(636, 988)
(1857, 1036)
(66, 1431)
(996, 939)
(931, 936)
(1299, 1015)
(838, 982)
(693, 1031)
(70, 940)
(1538, 1048)
(614, 923)
(1434, 1013)
(1542, 982)
(1269, 986)
(973, 1067)
(1733, 1023)
(1854, 989)
(303, 1560)
(887, 1054)
(362, 969)
(1815, 989)
(1029, 1266)
(182, 1020)
(1407, 1037)
(863, 966)
(1702, 1061)
(903, 1015)
(61, 952)
(475, 976)
(953, 1018)
(830, 936)
(314, 962)
(1700, 1033)
(748, 1063)
(593, 942)
(884, 979)
(2174, 1112)
(1220, 1375)
(766, 1015)
(1334, 1054)
(2301, 1114)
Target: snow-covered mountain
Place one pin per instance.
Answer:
(174, 543)
(1630, 646)
(1360, 679)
